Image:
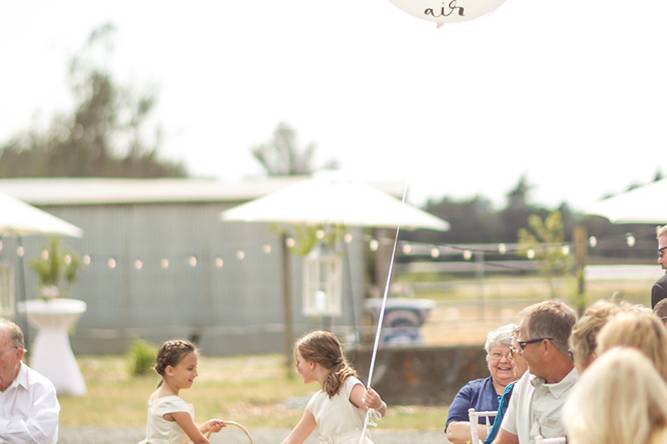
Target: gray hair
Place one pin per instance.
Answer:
(15, 332)
(551, 319)
(661, 231)
(500, 336)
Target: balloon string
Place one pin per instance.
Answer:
(381, 315)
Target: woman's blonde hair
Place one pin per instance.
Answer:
(621, 399)
(583, 339)
(324, 348)
(640, 329)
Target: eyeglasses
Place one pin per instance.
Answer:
(661, 251)
(497, 356)
(524, 343)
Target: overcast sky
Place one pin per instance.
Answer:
(572, 94)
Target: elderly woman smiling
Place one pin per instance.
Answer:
(483, 394)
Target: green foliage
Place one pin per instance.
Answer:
(281, 156)
(141, 357)
(305, 237)
(104, 135)
(55, 265)
(545, 239)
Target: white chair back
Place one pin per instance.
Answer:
(474, 422)
(559, 440)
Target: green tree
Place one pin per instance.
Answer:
(106, 134)
(281, 156)
(544, 240)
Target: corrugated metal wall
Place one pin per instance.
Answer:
(233, 309)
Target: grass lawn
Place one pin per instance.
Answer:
(253, 390)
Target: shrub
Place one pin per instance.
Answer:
(141, 357)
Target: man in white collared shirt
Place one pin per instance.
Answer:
(28, 404)
(538, 397)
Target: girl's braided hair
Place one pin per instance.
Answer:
(324, 348)
(171, 353)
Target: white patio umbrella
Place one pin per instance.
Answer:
(643, 205)
(329, 201)
(17, 218)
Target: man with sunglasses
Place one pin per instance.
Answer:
(659, 290)
(28, 404)
(538, 397)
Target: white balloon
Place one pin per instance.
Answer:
(447, 11)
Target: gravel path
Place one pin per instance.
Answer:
(132, 435)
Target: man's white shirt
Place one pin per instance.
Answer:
(535, 407)
(29, 410)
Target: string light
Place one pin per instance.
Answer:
(502, 248)
(374, 245)
(565, 250)
(20, 251)
(467, 255)
(347, 238)
(319, 234)
(45, 254)
(290, 242)
(530, 254)
(240, 255)
(138, 264)
(86, 259)
(407, 249)
(630, 240)
(219, 263)
(164, 263)
(67, 259)
(592, 241)
(192, 260)
(267, 249)
(435, 252)
(111, 263)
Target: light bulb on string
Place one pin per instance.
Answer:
(219, 263)
(530, 254)
(347, 238)
(67, 259)
(502, 248)
(467, 255)
(435, 252)
(266, 248)
(407, 249)
(111, 263)
(192, 260)
(319, 234)
(86, 259)
(20, 251)
(164, 263)
(45, 254)
(138, 264)
(290, 242)
(592, 241)
(373, 245)
(630, 240)
(565, 249)
(240, 255)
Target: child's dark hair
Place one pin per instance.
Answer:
(324, 348)
(171, 353)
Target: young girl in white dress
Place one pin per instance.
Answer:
(170, 418)
(337, 411)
